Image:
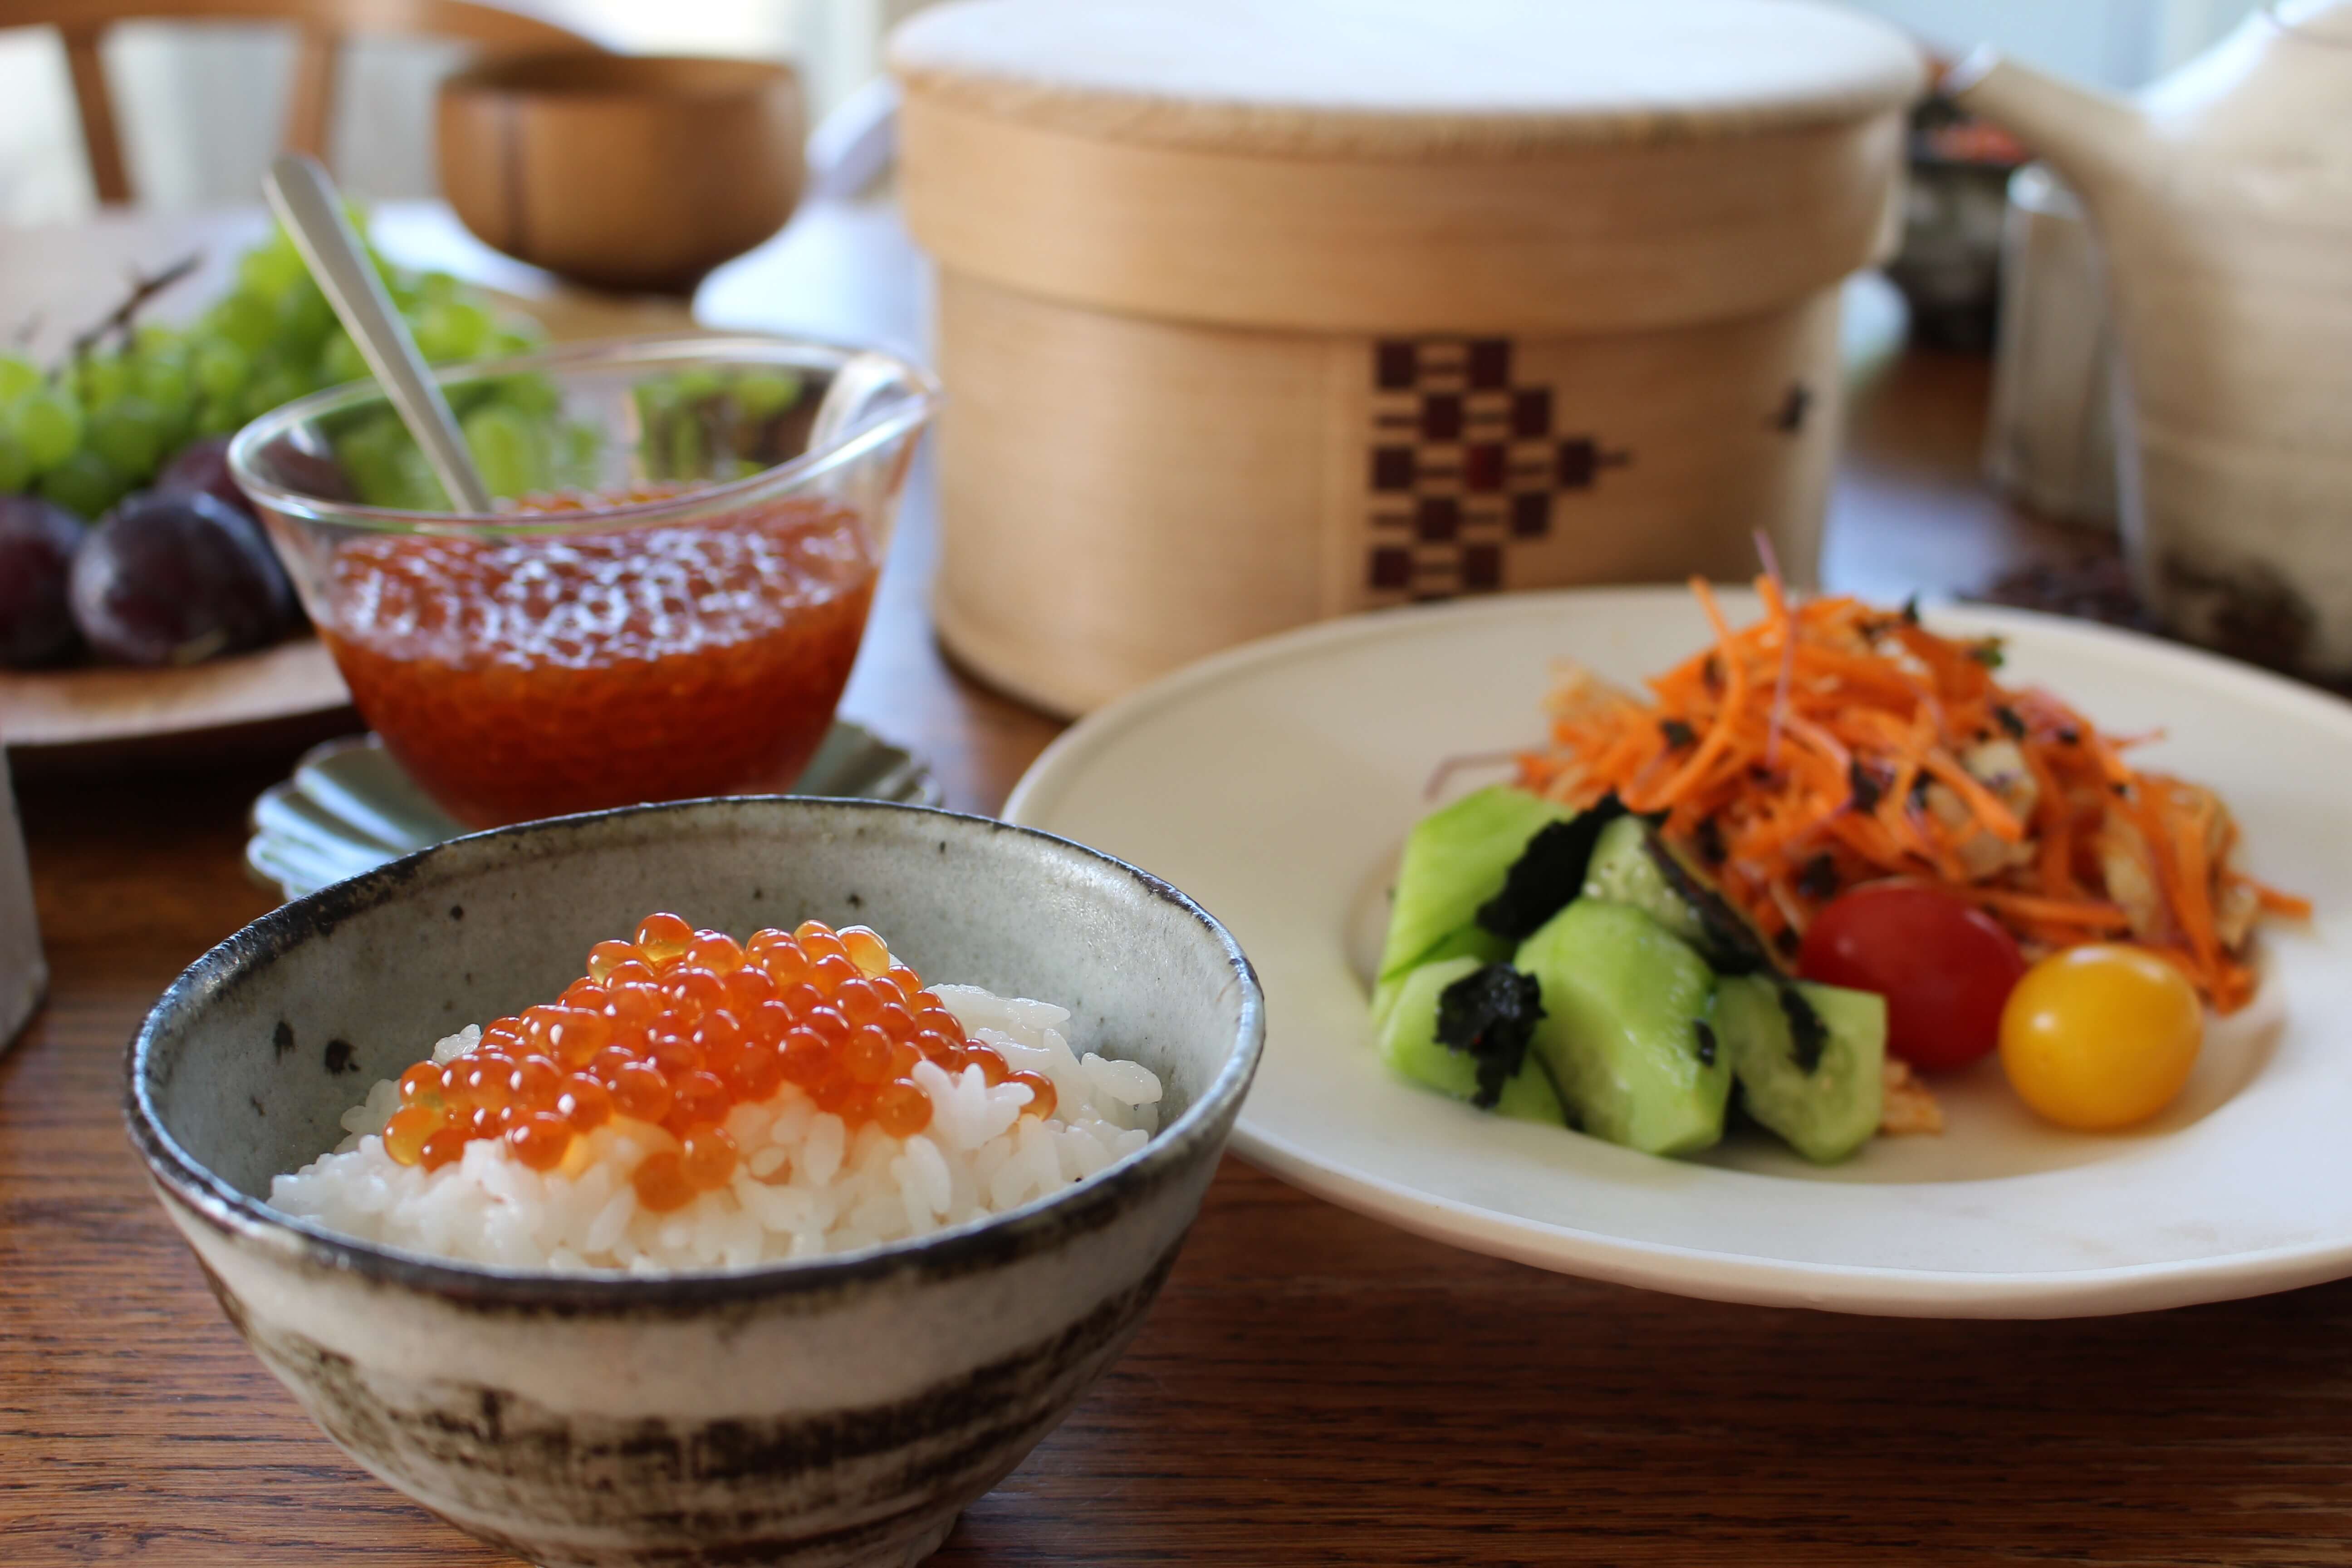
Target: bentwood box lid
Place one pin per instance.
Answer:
(1366, 164)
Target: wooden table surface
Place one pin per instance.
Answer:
(1312, 1388)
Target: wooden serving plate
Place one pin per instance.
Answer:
(106, 705)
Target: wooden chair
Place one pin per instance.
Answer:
(321, 26)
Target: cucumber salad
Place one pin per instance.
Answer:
(1953, 865)
(1573, 968)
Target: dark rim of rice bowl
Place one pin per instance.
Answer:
(975, 1245)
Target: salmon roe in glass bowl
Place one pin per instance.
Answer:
(665, 604)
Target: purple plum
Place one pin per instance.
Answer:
(203, 465)
(172, 577)
(37, 542)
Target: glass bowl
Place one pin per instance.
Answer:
(667, 602)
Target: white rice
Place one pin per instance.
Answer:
(804, 1185)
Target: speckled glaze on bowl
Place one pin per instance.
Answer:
(838, 1410)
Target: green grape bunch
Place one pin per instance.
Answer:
(123, 535)
(99, 425)
(707, 423)
(701, 425)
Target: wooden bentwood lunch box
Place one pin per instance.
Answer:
(1257, 312)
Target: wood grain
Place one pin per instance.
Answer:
(1204, 485)
(321, 27)
(1312, 1388)
(1423, 82)
(114, 702)
(1162, 437)
(627, 172)
(310, 114)
(94, 105)
(1584, 239)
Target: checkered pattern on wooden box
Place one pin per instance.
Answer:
(1465, 460)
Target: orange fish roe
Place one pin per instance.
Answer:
(528, 674)
(676, 1027)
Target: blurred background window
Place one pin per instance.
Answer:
(202, 106)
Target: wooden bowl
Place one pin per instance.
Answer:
(627, 171)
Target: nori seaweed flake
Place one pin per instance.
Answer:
(1729, 943)
(1865, 785)
(1548, 873)
(1819, 878)
(2010, 724)
(1677, 733)
(1491, 1014)
(1807, 1033)
(1707, 839)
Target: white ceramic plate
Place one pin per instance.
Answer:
(1275, 783)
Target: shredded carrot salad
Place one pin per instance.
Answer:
(1831, 743)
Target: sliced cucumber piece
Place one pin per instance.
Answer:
(1632, 864)
(1628, 1031)
(1824, 1112)
(1471, 942)
(1455, 859)
(1409, 1044)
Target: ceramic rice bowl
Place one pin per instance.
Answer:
(837, 1411)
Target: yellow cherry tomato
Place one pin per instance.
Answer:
(2101, 1035)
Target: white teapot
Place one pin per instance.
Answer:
(2222, 197)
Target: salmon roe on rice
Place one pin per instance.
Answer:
(675, 1027)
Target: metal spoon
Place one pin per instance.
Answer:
(306, 202)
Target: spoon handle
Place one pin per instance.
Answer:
(312, 211)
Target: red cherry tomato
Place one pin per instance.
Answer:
(1945, 967)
